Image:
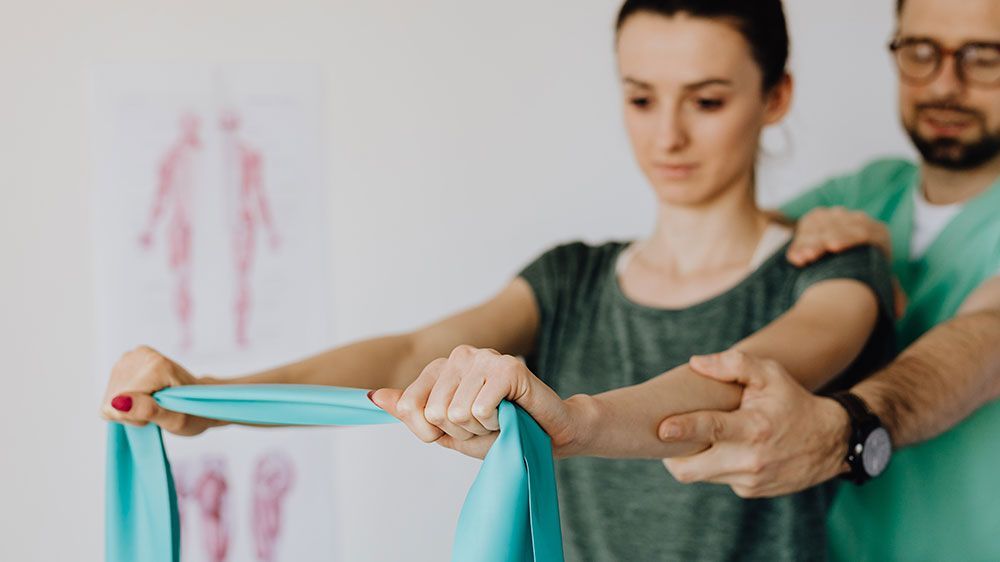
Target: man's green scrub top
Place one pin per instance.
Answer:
(939, 500)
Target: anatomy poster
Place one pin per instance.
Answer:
(212, 247)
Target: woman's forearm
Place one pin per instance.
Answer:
(622, 423)
(389, 361)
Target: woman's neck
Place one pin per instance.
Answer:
(718, 235)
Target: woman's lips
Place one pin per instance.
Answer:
(675, 171)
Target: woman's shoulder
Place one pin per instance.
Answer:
(864, 257)
(580, 253)
(571, 263)
(866, 264)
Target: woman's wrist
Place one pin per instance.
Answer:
(584, 413)
(208, 379)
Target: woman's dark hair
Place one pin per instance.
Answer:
(762, 23)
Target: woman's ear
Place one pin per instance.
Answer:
(779, 100)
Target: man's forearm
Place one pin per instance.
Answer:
(939, 380)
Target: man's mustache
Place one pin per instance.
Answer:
(947, 106)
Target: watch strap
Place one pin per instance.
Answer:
(863, 422)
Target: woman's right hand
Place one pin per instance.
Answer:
(135, 377)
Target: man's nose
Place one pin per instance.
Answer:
(949, 82)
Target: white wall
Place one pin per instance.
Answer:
(464, 137)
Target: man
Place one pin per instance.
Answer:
(939, 499)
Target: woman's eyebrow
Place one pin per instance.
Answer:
(709, 82)
(637, 83)
(692, 86)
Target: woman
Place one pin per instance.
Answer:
(608, 330)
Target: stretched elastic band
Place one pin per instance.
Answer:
(511, 513)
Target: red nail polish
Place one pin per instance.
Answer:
(370, 392)
(122, 403)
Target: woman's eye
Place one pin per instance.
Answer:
(708, 104)
(641, 103)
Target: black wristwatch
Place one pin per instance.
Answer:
(869, 446)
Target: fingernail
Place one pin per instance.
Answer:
(370, 393)
(122, 403)
(671, 432)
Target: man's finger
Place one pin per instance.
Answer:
(900, 300)
(704, 426)
(715, 464)
(731, 366)
(804, 250)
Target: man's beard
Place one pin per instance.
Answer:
(953, 154)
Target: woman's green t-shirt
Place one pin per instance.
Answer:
(593, 339)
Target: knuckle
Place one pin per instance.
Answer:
(459, 415)
(717, 429)
(434, 415)
(770, 366)
(733, 358)
(481, 412)
(681, 474)
(157, 363)
(432, 369)
(143, 410)
(755, 467)
(485, 352)
(405, 407)
(859, 232)
(462, 351)
(755, 488)
(426, 436)
(510, 371)
(508, 360)
(742, 491)
(179, 424)
(763, 430)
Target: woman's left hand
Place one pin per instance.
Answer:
(454, 401)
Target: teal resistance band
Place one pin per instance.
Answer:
(511, 513)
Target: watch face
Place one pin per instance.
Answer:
(878, 449)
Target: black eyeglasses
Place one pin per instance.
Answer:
(920, 61)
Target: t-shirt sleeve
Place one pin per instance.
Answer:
(869, 266)
(551, 276)
(866, 264)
